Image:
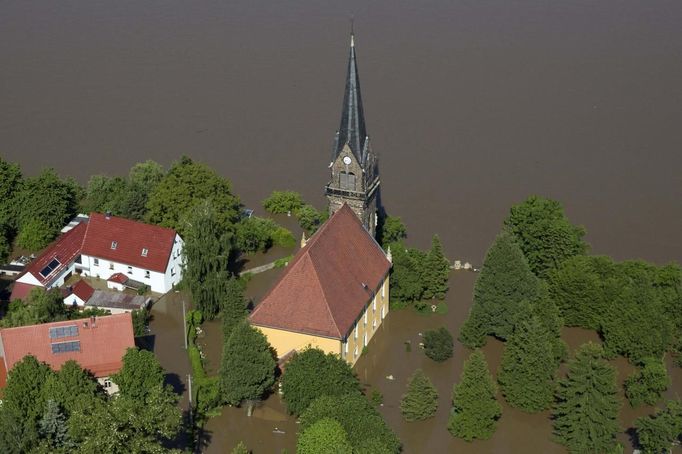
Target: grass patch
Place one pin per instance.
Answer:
(427, 309)
(284, 261)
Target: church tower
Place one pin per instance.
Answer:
(354, 166)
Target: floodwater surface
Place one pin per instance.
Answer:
(472, 106)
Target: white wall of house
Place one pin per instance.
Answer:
(158, 282)
(29, 278)
(109, 386)
(73, 298)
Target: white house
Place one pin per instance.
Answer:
(104, 246)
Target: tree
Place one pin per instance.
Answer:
(233, 308)
(52, 426)
(436, 271)
(657, 433)
(255, 234)
(311, 374)
(143, 179)
(11, 181)
(35, 235)
(438, 344)
(5, 246)
(528, 367)
(207, 251)
(106, 194)
(586, 410)
(49, 199)
(406, 280)
(23, 403)
(326, 436)
(392, 231)
(186, 185)
(367, 432)
(309, 218)
(41, 306)
(141, 371)
(72, 387)
(282, 202)
(127, 424)
(475, 411)
(247, 369)
(544, 233)
(421, 400)
(646, 385)
(504, 282)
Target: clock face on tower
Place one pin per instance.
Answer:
(346, 160)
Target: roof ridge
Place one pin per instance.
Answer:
(326, 301)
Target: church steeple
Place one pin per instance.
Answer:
(352, 130)
(354, 167)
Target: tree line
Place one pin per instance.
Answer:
(66, 411)
(538, 277)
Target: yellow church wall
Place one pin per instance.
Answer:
(284, 341)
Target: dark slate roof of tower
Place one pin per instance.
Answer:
(352, 130)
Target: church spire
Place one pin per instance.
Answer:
(352, 130)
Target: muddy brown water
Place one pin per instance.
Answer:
(472, 106)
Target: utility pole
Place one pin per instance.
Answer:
(184, 323)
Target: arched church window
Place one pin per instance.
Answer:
(347, 181)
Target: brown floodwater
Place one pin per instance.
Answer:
(472, 106)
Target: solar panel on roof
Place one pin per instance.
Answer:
(49, 268)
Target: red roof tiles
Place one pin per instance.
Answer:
(102, 344)
(20, 291)
(321, 292)
(132, 238)
(83, 290)
(64, 249)
(119, 278)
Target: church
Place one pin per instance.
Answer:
(334, 294)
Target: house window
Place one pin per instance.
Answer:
(365, 340)
(145, 251)
(111, 265)
(355, 353)
(365, 318)
(382, 312)
(356, 331)
(95, 262)
(146, 274)
(347, 181)
(130, 270)
(374, 304)
(107, 383)
(172, 271)
(374, 323)
(346, 347)
(114, 245)
(383, 290)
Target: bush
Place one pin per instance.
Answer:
(326, 436)
(309, 218)
(282, 202)
(311, 374)
(438, 344)
(34, 235)
(283, 237)
(140, 318)
(647, 384)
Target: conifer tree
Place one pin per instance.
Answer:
(421, 400)
(52, 427)
(586, 411)
(504, 282)
(247, 369)
(526, 375)
(475, 410)
(436, 271)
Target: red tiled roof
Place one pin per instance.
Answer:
(321, 291)
(119, 278)
(102, 345)
(83, 290)
(64, 249)
(131, 238)
(21, 290)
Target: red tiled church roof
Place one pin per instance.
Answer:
(131, 238)
(321, 292)
(102, 344)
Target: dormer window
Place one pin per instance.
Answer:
(114, 245)
(145, 251)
